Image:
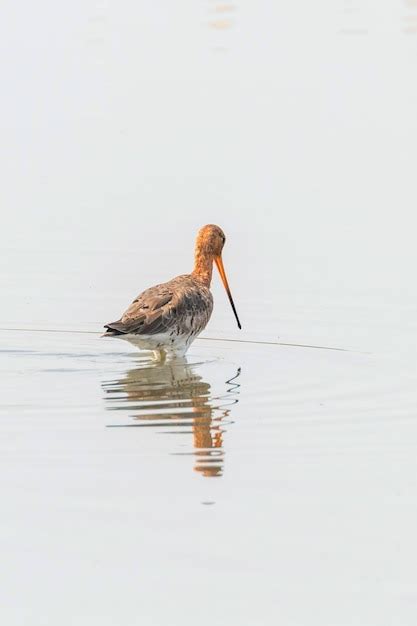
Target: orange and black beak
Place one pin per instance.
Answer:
(220, 267)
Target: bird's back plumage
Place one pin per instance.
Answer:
(167, 315)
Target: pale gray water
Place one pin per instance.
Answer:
(257, 483)
(254, 482)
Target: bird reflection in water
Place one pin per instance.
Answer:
(175, 396)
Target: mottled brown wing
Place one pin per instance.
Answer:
(146, 314)
(175, 304)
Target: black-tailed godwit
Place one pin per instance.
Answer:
(168, 317)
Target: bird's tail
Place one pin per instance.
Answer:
(112, 330)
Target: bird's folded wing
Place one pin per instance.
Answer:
(150, 313)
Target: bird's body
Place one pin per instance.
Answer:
(168, 317)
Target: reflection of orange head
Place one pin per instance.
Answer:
(209, 471)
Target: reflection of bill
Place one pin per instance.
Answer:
(175, 396)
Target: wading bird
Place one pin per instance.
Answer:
(168, 317)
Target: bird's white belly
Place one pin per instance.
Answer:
(173, 345)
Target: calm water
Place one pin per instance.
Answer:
(220, 490)
(272, 477)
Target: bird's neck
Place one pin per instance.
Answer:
(203, 268)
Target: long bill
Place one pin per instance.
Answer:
(220, 267)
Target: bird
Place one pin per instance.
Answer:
(168, 317)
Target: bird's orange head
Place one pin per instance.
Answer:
(210, 241)
(208, 248)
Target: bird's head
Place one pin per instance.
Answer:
(208, 248)
(210, 240)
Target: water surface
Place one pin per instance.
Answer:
(246, 476)
(262, 481)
